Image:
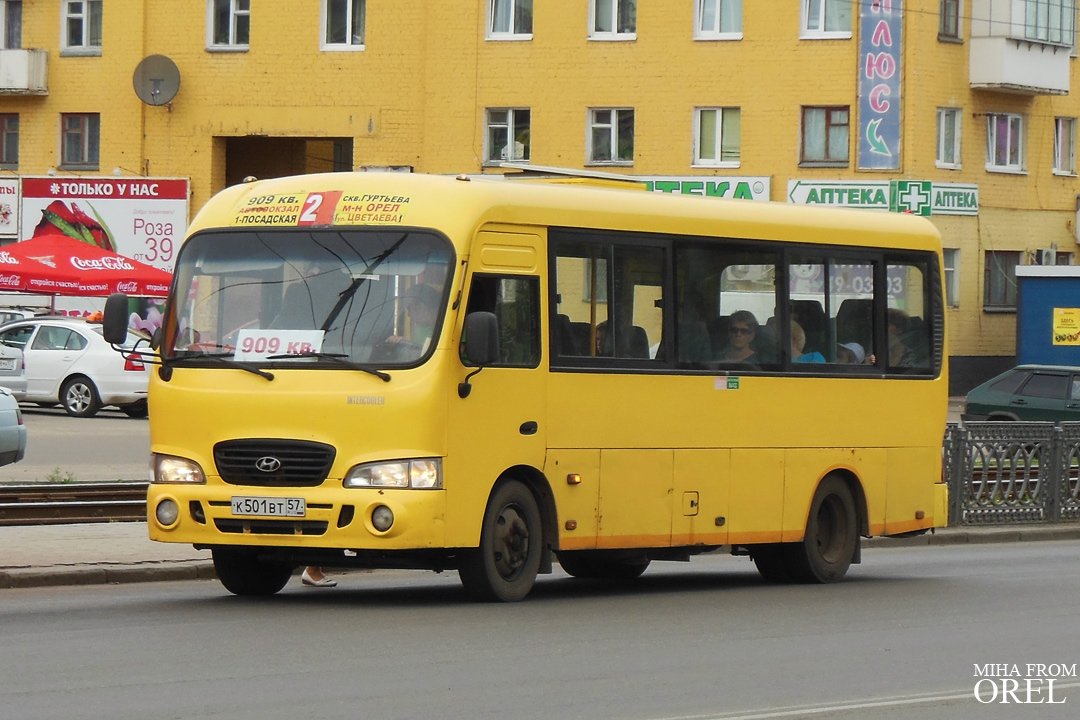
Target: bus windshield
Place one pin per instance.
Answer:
(299, 297)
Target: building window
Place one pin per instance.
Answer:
(999, 281)
(612, 19)
(1065, 146)
(949, 22)
(718, 20)
(1051, 21)
(825, 135)
(80, 141)
(343, 24)
(948, 138)
(11, 24)
(510, 19)
(826, 19)
(81, 26)
(717, 136)
(9, 142)
(952, 286)
(1005, 142)
(507, 135)
(611, 136)
(229, 24)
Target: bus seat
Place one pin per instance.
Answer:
(717, 328)
(695, 344)
(637, 343)
(564, 337)
(855, 322)
(579, 333)
(766, 345)
(811, 318)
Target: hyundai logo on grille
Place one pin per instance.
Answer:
(268, 464)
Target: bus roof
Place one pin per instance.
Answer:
(458, 206)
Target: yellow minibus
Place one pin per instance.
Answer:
(384, 370)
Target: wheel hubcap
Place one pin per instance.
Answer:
(78, 397)
(510, 542)
(831, 529)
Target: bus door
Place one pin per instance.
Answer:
(502, 421)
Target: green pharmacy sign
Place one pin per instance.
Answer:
(917, 197)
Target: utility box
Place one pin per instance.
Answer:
(1048, 314)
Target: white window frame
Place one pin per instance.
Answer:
(493, 34)
(1065, 152)
(1050, 21)
(819, 17)
(951, 259)
(614, 34)
(511, 113)
(715, 31)
(235, 12)
(324, 26)
(84, 12)
(718, 133)
(991, 143)
(947, 116)
(614, 125)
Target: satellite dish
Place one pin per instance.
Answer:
(157, 80)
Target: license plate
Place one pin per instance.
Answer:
(7, 363)
(269, 506)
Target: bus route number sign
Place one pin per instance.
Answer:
(262, 344)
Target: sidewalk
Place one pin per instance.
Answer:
(101, 553)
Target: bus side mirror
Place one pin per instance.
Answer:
(481, 345)
(115, 324)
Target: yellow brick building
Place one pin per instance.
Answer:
(771, 93)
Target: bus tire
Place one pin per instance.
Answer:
(832, 534)
(771, 561)
(504, 567)
(244, 574)
(596, 566)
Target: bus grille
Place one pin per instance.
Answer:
(274, 463)
(271, 527)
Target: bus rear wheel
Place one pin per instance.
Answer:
(600, 566)
(504, 567)
(242, 573)
(832, 535)
(771, 561)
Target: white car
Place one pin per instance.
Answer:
(12, 430)
(13, 371)
(67, 361)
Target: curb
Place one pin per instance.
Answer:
(157, 571)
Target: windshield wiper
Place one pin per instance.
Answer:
(224, 358)
(339, 358)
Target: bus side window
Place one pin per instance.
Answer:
(515, 301)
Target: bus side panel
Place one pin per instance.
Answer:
(700, 499)
(757, 495)
(576, 503)
(914, 474)
(635, 498)
(806, 467)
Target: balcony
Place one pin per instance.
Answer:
(1022, 46)
(24, 72)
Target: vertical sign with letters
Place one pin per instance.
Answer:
(880, 29)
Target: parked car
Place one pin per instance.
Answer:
(12, 429)
(68, 362)
(13, 371)
(9, 313)
(1027, 392)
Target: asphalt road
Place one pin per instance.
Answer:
(60, 448)
(899, 639)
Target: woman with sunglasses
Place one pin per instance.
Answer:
(742, 329)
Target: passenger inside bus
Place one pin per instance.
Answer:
(798, 343)
(742, 328)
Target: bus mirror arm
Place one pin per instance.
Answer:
(481, 338)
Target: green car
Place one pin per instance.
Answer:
(1028, 392)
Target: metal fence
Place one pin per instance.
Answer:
(1013, 472)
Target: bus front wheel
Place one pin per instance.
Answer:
(505, 565)
(244, 574)
(832, 534)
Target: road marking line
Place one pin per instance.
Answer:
(804, 710)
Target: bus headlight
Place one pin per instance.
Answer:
(425, 474)
(171, 469)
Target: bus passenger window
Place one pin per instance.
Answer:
(909, 336)
(850, 300)
(609, 301)
(515, 302)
